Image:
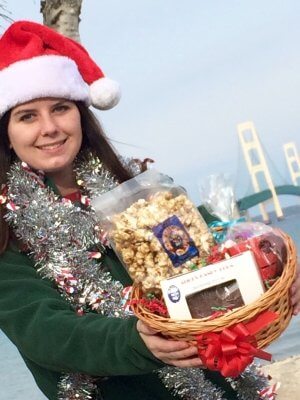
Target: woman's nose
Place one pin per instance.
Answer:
(48, 125)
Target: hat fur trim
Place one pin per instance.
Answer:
(39, 77)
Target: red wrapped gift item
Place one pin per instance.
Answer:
(270, 272)
(270, 253)
(216, 255)
(237, 248)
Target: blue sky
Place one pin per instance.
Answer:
(190, 72)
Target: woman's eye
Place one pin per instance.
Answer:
(61, 108)
(27, 117)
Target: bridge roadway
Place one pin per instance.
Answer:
(256, 198)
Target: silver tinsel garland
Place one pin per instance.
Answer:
(63, 239)
(189, 384)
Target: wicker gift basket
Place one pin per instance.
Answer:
(137, 214)
(276, 299)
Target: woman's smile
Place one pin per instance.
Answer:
(52, 147)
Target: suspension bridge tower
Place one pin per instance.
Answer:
(257, 166)
(293, 161)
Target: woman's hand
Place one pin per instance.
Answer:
(177, 353)
(295, 293)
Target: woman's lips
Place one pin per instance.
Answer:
(52, 146)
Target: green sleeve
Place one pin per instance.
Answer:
(48, 332)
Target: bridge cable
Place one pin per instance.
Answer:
(275, 169)
(241, 166)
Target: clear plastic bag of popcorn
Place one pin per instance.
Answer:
(154, 228)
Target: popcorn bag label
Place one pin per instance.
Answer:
(175, 241)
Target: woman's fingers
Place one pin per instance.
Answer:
(144, 328)
(187, 363)
(178, 353)
(185, 358)
(157, 343)
(189, 352)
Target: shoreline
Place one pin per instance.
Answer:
(287, 373)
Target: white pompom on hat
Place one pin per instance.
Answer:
(37, 62)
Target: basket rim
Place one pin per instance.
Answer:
(277, 292)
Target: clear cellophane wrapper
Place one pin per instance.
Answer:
(154, 228)
(235, 235)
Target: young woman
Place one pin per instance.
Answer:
(77, 344)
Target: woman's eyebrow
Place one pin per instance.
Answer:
(59, 103)
(23, 111)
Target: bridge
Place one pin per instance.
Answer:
(254, 155)
(256, 198)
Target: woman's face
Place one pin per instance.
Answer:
(46, 134)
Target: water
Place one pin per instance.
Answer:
(17, 382)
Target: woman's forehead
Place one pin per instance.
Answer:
(48, 101)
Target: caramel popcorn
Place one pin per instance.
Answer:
(154, 237)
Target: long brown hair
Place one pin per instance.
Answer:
(94, 139)
(6, 156)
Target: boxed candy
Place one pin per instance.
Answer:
(154, 228)
(225, 285)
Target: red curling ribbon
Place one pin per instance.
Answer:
(233, 349)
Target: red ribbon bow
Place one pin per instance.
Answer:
(231, 350)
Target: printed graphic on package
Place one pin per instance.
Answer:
(175, 240)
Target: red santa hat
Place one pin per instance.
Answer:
(37, 62)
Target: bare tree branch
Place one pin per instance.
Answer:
(4, 12)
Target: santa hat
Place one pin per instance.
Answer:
(37, 62)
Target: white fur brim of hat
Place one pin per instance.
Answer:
(52, 76)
